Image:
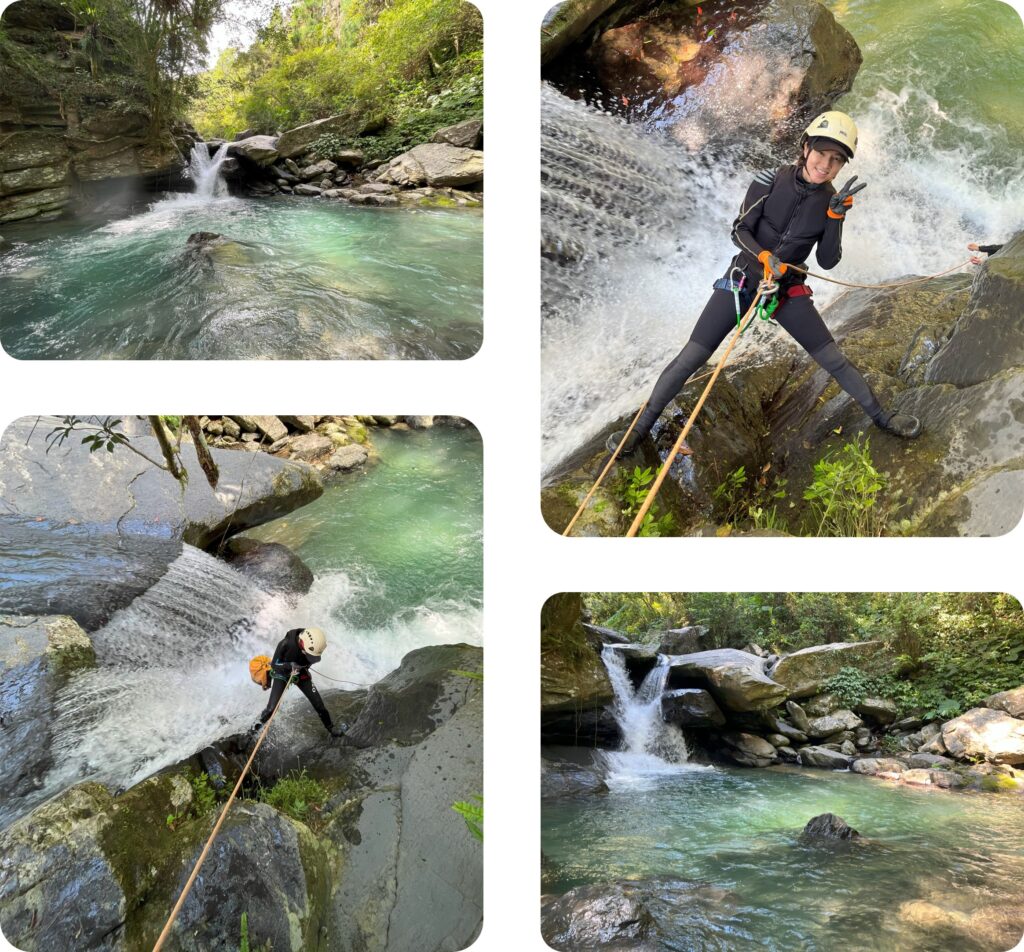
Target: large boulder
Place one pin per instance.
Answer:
(562, 779)
(834, 724)
(691, 707)
(466, 135)
(423, 692)
(435, 164)
(985, 733)
(823, 757)
(828, 826)
(736, 679)
(879, 710)
(271, 565)
(686, 640)
(804, 672)
(301, 139)
(664, 67)
(37, 656)
(260, 150)
(270, 426)
(1010, 702)
(123, 494)
(573, 679)
(749, 750)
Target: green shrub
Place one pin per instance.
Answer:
(299, 796)
(846, 492)
(632, 488)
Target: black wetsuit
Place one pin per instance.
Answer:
(989, 249)
(786, 215)
(290, 652)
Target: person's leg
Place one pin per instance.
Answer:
(712, 327)
(276, 690)
(801, 319)
(307, 687)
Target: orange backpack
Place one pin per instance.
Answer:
(259, 671)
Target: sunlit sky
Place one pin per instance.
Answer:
(236, 30)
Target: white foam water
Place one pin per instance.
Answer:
(651, 749)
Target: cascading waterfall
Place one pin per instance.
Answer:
(650, 746)
(204, 170)
(636, 227)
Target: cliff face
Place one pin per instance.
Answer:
(69, 121)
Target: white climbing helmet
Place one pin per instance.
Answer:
(313, 641)
(838, 127)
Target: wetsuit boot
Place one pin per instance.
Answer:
(904, 425)
(628, 448)
(339, 730)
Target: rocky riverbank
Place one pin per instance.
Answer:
(754, 709)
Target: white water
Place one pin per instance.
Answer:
(204, 170)
(651, 748)
(648, 224)
(172, 668)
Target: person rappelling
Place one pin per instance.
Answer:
(786, 213)
(296, 652)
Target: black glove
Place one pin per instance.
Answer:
(843, 199)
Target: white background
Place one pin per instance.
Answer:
(498, 390)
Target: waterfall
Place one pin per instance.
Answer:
(650, 747)
(636, 229)
(204, 170)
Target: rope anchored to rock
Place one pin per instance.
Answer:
(220, 821)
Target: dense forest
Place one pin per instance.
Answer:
(954, 648)
(405, 66)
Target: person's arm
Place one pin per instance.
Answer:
(284, 667)
(753, 208)
(830, 244)
(989, 249)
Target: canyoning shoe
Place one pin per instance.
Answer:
(339, 730)
(904, 425)
(628, 448)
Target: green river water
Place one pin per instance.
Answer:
(934, 870)
(300, 279)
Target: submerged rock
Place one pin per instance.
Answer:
(273, 566)
(828, 826)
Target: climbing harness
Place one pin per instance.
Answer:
(216, 829)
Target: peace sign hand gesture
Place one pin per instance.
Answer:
(843, 199)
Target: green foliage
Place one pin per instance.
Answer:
(473, 814)
(632, 488)
(742, 502)
(891, 745)
(105, 433)
(472, 675)
(846, 492)
(407, 67)
(299, 796)
(204, 797)
(243, 945)
(852, 685)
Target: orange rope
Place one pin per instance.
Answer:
(216, 829)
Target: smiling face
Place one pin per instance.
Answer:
(822, 166)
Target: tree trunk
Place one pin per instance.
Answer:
(202, 450)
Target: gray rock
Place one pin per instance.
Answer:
(244, 134)
(317, 170)
(270, 426)
(985, 733)
(301, 139)
(886, 767)
(415, 698)
(778, 740)
(926, 761)
(787, 755)
(911, 723)
(595, 917)
(799, 716)
(691, 707)
(828, 826)
(834, 723)
(879, 710)
(823, 757)
(560, 779)
(310, 446)
(37, 656)
(467, 134)
(1010, 702)
(749, 749)
(848, 747)
(273, 566)
(686, 640)
(262, 150)
(821, 705)
(347, 458)
(304, 424)
(789, 731)
(437, 164)
(736, 679)
(308, 190)
(419, 422)
(804, 672)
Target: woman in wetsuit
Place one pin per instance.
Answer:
(296, 652)
(785, 213)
